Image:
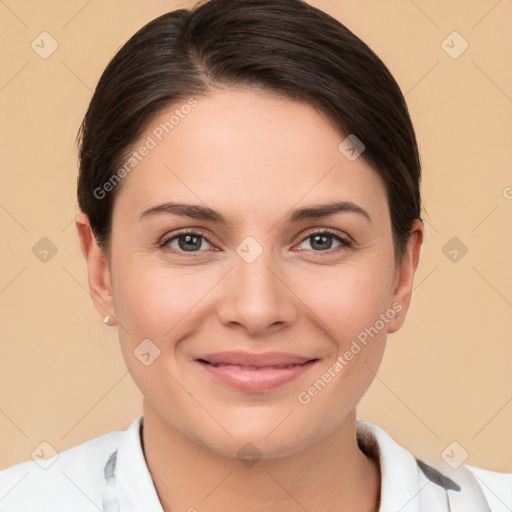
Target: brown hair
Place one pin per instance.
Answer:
(282, 46)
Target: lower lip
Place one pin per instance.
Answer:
(256, 380)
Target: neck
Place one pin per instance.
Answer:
(332, 474)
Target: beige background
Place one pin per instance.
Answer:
(445, 376)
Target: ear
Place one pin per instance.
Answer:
(404, 276)
(98, 272)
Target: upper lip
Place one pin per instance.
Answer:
(254, 359)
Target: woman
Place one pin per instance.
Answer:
(250, 219)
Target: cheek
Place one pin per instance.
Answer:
(348, 308)
(150, 299)
(347, 299)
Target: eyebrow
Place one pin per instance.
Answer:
(205, 213)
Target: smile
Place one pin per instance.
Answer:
(255, 377)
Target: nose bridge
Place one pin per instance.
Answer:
(253, 267)
(252, 275)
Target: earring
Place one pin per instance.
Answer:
(106, 319)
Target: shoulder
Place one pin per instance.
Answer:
(497, 488)
(471, 488)
(71, 480)
(406, 479)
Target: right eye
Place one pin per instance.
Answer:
(187, 241)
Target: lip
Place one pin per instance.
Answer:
(255, 372)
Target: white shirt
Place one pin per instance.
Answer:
(81, 479)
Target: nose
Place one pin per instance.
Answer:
(256, 296)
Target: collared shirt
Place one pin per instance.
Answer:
(109, 474)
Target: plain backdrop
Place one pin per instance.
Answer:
(445, 376)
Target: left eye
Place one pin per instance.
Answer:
(321, 239)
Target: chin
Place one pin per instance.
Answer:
(251, 450)
(267, 440)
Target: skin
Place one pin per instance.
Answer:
(253, 157)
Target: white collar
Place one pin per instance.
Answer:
(135, 486)
(398, 467)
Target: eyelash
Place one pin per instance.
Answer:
(345, 243)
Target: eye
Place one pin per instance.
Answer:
(191, 241)
(187, 241)
(321, 241)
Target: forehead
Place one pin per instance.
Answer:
(244, 151)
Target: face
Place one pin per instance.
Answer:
(322, 289)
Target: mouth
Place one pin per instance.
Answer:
(255, 373)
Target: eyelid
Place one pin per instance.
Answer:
(330, 231)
